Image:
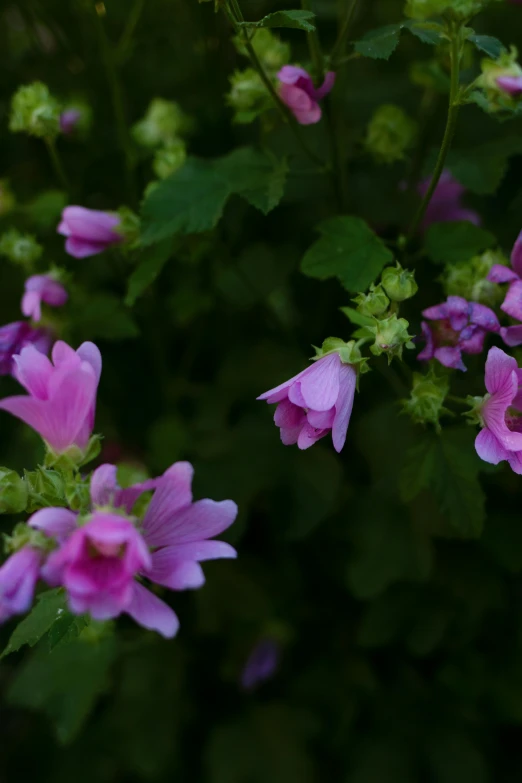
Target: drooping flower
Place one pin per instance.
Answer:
(18, 577)
(457, 326)
(17, 335)
(261, 664)
(298, 92)
(61, 402)
(314, 402)
(69, 119)
(512, 304)
(98, 561)
(88, 231)
(446, 203)
(501, 412)
(42, 288)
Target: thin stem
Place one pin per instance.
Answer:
(57, 163)
(338, 47)
(314, 47)
(451, 124)
(459, 400)
(128, 32)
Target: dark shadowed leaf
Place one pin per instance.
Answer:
(49, 608)
(459, 241)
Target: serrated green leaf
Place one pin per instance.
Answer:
(295, 18)
(348, 250)
(427, 32)
(49, 607)
(66, 629)
(150, 265)
(255, 176)
(482, 168)
(447, 243)
(488, 44)
(379, 44)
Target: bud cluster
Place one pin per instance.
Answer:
(389, 134)
(162, 129)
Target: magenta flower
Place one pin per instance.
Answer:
(18, 577)
(18, 335)
(261, 665)
(501, 412)
(510, 84)
(314, 402)
(62, 393)
(512, 305)
(42, 288)
(445, 205)
(457, 327)
(297, 91)
(69, 120)
(88, 231)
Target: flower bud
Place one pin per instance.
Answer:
(389, 134)
(128, 227)
(248, 96)
(399, 283)
(7, 199)
(164, 121)
(391, 335)
(501, 82)
(35, 111)
(375, 302)
(349, 353)
(13, 492)
(272, 52)
(469, 278)
(76, 117)
(427, 398)
(170, 158)
(20, 248)
(45, 488)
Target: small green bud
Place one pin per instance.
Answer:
(497, 98)
(272, 52)
(375, 302)
(348, 351)
(459, 9)
(20, 248)
(469, 279)
(170, 158)
(13, 492)
(7, 199)
(391, 336)
(399, 283)
(164, 121)
(474, 415)
(45, 488)
(390, 132)
(73, 458)
(426, 403)
(129, 226)
(35, 111)
(248, 96)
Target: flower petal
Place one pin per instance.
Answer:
(501, 274)
(33, 370)
(309, 435)
(175, 574)
(151, 612)
(203, 519)
(343, 408)
(450, 356)
(489, 448)
(104, 485)
(512, 304)
(499, 374)
(320, 383)
(173, 492)
(516, 256)
(54, 522)
(512, 335)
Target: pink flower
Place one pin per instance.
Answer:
(98, 562)
(14, 337)
(458, 327)
(501, 412)
(18, 577)
(314, 402)
(445, 205)
(62, 394)
(297, 91)
(69, 120)
(510, 84)
(512, 305)
(88, 231)
(42, 288)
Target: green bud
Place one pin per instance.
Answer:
(391, 336)
(272, 52)
(7, 199)
(73, 458)
(20, 248)
(164, 121)
(375, 302)
(348, 351)
(45, 488)
(426, 403)
(469, 279)
(13, 492)
(23, 535)
(390, 132)
(170, 158)
(35, 111)
(497, 99)
(474, 415)
(459, 9)
(248, 96)
(129, 226)
(399, 283)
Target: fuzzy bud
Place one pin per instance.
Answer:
(399, 283)
(468, 279)
(35, 111)
(248, 96)
(426, 403)
(170, 158)
(163, 122)
(272, 52)
(20, 248)
(375, 302)
(13, 492)
(390, 132)
(391, 336)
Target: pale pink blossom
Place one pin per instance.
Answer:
(297, 91)
(38, 289)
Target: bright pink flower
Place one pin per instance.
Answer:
(457, 327)
(510, 84)
(88, 231)
(69, 120)
(298, 92)
(62, 394)
(314, 402)
(501, 411)
(18, 577)
(18, 335)
(42, 288)
(445, 205)
(512, 305)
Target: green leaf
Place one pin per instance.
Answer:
(254, 175)
(48, 609)
(379, 44)
(348, 250)
(46, 208)
(481, 168)
(447, 243)
(486, 43)
(150, 265)
(357, 318)
(66, 629)
(103, 315)
(427, 32)
(297, 19)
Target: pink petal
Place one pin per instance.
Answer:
(33, 370)
(104, 485)
(499, 377)
(290, 435)
(450, 357)
(321, 420)
(501, 274)
(295, 395)
(288, 415)
(343, 408)
(152, 613)
(175, 574)
(308, 436)
(92, 225)
(489, 448)
(90, 353)
(54, 522)
(510, 84)
(31, 305)
(173, 492)
(203, 519)
(83, 248)
(515, 461)
(327, 85)
(320, 383)
(290, 74)
(199, 551)
(512, 304)
(512, 335)
(516, 255)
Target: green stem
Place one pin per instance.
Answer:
(128, 32)
(451, 124)
(459, 400)
(57, 163)
(338, 47)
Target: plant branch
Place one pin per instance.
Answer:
(57, 164)
(338, 47)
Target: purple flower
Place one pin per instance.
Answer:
(501, 412)
(457, 327)
(297, 91)
(445, 205)
(314, 402)
(261, 664)
(62, 393)
(14, 337)
(510, 84)
(88, 231)
(512, 305)
(69, 120)
(18, 577)
(42, 288)
(98, 562)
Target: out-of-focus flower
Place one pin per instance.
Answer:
(501, 81)
(16, 336)
(42, 288)
(271, 51)
(456, 327)
(512, 304)
(248, 96)
(470, 279)
(389, 134)
(298, 92)
(261, 664)
(35, 111)
(88, 231)
(20, 248)
(445, 205)
(18, 577)
(164, 121)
